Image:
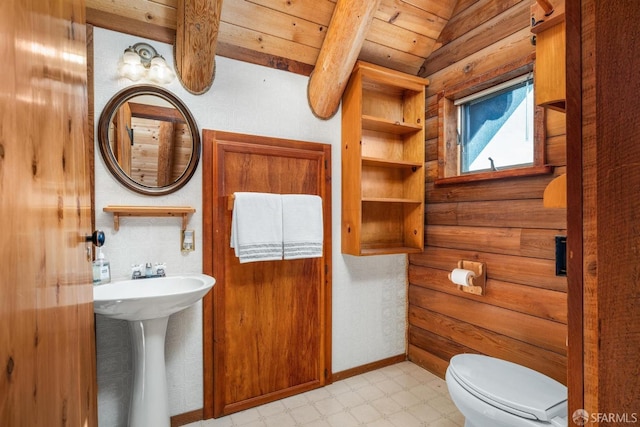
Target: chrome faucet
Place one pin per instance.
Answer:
(146, 271)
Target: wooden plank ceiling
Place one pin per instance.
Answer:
(288, 34)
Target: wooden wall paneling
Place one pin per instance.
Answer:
(279, 48)
(121, 145)
(500, 222)
(484, 341)
(479, 35)
(431, 128)
(535, 272)
(302, 30)
(157, 13)
(47, 344)
(439, 346)
(448, 148)
(556, 123)
(244, 43)
(528, 213)
(431, 106)
(157, 21)
(472, 16)
(160, 153)
(511, 189)
(131, 25)
(390, 35)
(556, 150)
(536, 301)
(376, 53)
(431, 171)
(502, 240)
(413, 16)
(462, 5)
(506, 50)
(321, 10)
(539, 332)
(287, 35)
(167, 137)
(427, 360)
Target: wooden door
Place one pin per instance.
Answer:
(267, 324)
(46, 293)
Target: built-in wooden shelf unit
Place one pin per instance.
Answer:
(382, 162)
(178, 211)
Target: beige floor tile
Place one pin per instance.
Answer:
(401, 395)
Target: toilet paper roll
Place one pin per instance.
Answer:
(462, 277)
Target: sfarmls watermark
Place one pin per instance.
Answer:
(582, 417)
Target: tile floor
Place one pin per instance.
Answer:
(401, 395)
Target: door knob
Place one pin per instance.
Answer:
(97, 238)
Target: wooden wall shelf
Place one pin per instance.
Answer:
(382, 162)
(118, 211)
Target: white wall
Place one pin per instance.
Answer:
(369, 293)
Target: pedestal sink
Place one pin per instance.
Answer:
(147, 305)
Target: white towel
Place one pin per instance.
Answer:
(256, 227)
(302, 226)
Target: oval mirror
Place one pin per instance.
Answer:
(149, 140)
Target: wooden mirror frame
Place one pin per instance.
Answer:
(109, 158)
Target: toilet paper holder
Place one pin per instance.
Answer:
(477, 283)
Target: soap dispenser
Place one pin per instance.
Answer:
(101, 269)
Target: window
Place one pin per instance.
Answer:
(491, 129)
(495, 127)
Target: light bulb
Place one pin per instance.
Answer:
(130, 57)
(159, 71)
(130, 66)
(132, 71)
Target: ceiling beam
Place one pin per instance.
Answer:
(340, 49)
(197, 27)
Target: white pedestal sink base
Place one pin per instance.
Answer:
(153, 300)
(149, 397)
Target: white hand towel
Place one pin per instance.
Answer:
(302, 226)
(256, 227)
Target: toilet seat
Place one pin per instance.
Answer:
(513, 388)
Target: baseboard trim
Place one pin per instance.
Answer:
(187, 418)
(337, 376)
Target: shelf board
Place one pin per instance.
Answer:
(119, 211)
(374, 161)
(391, 250)
(389, 126)
(389, 200)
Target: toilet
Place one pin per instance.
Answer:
(490, 392)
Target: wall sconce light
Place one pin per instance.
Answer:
(142, 60)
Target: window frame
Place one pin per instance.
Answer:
(448, 149)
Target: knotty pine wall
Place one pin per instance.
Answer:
(523, 315)
(145, 157)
